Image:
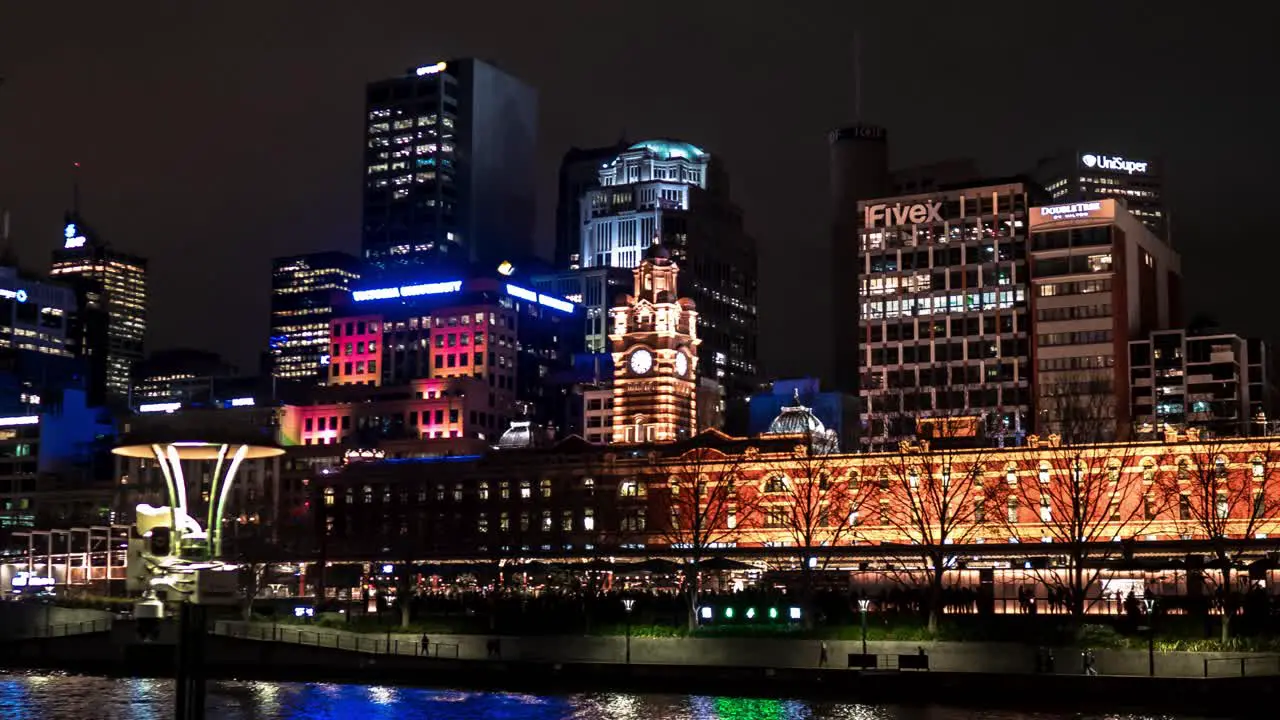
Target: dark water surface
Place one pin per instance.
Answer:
(32, 696)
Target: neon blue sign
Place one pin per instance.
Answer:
(550, 301)
(437, 288)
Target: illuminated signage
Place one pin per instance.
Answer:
(241, 402)
(20, 295)
(900, 214)
(437, 288)
(1078, 213)
(24, 579)
(430, 69)
(555, 303)
(521, 293)
(159, 407)
(543, 299)
(19, 420)
(73, 238)
(1113, 162)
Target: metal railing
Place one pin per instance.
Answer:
(1244, 665)
(61, 630)
(339, 641)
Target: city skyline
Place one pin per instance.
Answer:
(291, 99)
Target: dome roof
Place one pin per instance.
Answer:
(797, 420)
(668, 149)
(519, 435)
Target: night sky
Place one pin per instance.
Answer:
(213, 138)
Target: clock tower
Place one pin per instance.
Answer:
(654, 338)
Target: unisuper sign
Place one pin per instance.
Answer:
(1113, 162)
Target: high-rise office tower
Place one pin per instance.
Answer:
(1100, 279)
(1089, 174)
(943, 319)
(579, 172)
(449, 165)
(302, 298)
(111, 283)
(859, 166)
(677, 193)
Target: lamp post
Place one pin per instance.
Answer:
(1150, 602)
(864, 604)
(628, 604)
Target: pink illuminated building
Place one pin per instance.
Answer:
(356, 349)
(433, 409)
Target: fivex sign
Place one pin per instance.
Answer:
(890, 215)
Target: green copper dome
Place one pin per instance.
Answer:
(668, 149)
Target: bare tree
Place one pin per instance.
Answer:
(1223, 491)
(1080, 497)
(813, 495)
(702, 504)
(931, 493)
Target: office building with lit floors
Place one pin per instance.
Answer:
(449, 165)
(677, 194)
(943, 322)
(579, 172)
(1081, 174)
(113, 284)
(596, 289)
(303, 289)
(1219, 382)
(512, 340)
(1100, 279)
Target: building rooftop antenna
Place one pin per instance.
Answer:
(857, 76)
(75, 189)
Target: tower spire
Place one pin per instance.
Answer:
(75, 189)
(857, 76)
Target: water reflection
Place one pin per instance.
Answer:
(67, 697)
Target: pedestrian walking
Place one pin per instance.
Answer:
(822, 654)
(426, 645)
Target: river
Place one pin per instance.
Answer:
(33, 696)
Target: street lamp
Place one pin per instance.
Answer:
(1150, 602)
(628, 604)
(864, 604)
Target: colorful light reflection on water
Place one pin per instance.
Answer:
(29, 696)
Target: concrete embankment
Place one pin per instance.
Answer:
(235, 658)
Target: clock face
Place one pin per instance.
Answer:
(682, 364)
(641, 361)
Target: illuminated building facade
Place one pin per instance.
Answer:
(188, 377)
(595, 289)
(449, 165)
(303, 290)
(114, 284)
(50, 447)
(579, 173)
(575, 500)
(36, 316)
(1220, 382)
(1081, 174)
(1100, 278)
(655, 356)
(676, 193)
(515, 340)
(943, 320)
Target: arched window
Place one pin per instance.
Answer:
(1148, 471)
(1258, 467)
(1011, 475)
(776, 483)
(1184, 470)
(1043, 473)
